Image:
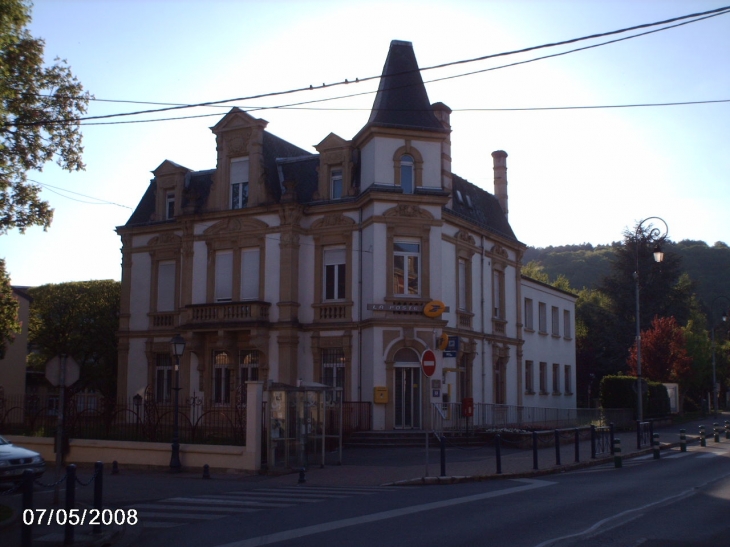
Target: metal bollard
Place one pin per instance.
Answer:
(682, 440)
(703, 442)
(557, 447)
(716, 432)
(577, 445)
(442, 439)
(727, 429)
(26, 530)
(593, 442)
(655, 445)
(68, 533)
(498, 452)
(302, 479)
(115, 468)
(534, 450)
(98, 491)
(617, 460)
(206, 471)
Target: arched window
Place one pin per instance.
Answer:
(406, 173)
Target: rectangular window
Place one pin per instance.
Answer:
(568, 382)
(529, 325)
(336, 184)
(239, 183)
(166, 286)
(163, 378)
(556, 321)
(222, 385)
(333, 371)
(169, 205)
(543, 378)
(567, 331)
(250, 274)
(462, 284)
(334, 274)
(529, 382)
(556, 378)
(498, 290)
(249, 362)
(224, 276)
(542, 310)
(406, 268)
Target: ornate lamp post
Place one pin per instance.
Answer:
(714, 377)
(177, 347)
(654, 234)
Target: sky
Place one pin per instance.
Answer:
(575, 175)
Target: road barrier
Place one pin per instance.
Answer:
(617, 461)
(682, 440)
(716, 432)
(655, 446)
(703, 441)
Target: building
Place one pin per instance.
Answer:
(282, 265)
(13, 359)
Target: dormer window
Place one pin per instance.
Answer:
(169, 205)
(239, 183)
(406, 173)
(336, 184)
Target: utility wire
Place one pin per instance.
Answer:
(710, 13)
(57, 190)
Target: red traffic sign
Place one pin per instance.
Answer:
(428, 362)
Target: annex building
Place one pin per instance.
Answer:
(283, 266)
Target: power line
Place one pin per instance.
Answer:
(98, 201)
(710, 13)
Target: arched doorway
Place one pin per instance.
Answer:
(407, 389)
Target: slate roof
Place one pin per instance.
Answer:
(402, 101)
(480, 207)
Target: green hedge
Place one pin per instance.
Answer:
(620, 392)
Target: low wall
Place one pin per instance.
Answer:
(145, 454)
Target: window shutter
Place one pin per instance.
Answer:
(166, 286)
(250, 274)
(223, 276)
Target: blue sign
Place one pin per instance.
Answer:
(452, 347)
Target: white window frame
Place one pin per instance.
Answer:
(223, 276)
(555, 312)
(221, 378)
(408, 167)
(542, 317)
(335, 271)
(166, 286)
(333, 371)
(462, 303)
(529, 377)
(529, 319)
(556, 378)
(169, 205)
(337, 189)
(163, 378)
(543, 377)
(407, 256)
(239, 180)
(250, 273)
(567, 330)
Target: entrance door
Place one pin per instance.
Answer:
(407, 397)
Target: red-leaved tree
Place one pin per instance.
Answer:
(664, 356)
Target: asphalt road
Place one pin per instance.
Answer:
(680, 500)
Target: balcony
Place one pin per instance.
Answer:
(464, 319)
(333, 311)
(226, 312)
(163, 320)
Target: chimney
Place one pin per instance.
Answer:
(500, 179)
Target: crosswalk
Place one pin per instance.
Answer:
(180, 510)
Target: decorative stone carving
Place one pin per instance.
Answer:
(334, 220)
(500, 251)
(409, 211)
(466, 237)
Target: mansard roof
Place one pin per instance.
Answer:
(402, 101)
(476, 205)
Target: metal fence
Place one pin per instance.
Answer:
(134, 419)
(449, 417)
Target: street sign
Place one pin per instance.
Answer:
(428, 363)
(434, 308)
(452, 347)
(53, 371)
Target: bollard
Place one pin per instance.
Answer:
(302, 479)
(442, 440)
(534, 450)
(68, 533)
(727, 429)
(682, 441)
(703, 442)
(98, 490)
(557, 447)
(115, 468)
(716, 432)
(498, 452)
(655, 445)
(577, 445)
(593, 442)
(26, 530)
(617, 461)
(612, 432)
(206, 471)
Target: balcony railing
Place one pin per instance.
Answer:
(333, 311)
(224, 312)
(161, 320)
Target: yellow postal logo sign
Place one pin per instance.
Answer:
(434, 308)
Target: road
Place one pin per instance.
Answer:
(680, 500)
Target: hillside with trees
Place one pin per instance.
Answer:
(679, 291)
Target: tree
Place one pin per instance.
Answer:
(9, 307)
(664, 356)
(38, 119)
(79, 319)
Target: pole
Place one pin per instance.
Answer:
(714, 378)
(639, 409)
(59, 427)
(175, 465)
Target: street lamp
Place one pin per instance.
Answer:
(714, 377)
(653, 234)
(177, 347)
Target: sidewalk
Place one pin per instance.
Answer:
(360, 467)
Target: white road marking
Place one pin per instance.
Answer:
(530, 484)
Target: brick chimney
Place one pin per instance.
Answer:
(500, 179)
